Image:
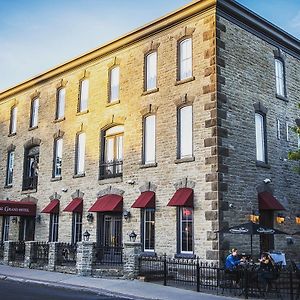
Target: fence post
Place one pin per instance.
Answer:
(165, 269)
(198, 274)
(84, 258)
(28, 254)
(291, 285)
(7, 245)
(52, 256)
(131, 254)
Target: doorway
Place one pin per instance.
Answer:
(266, 218)
(26, 228)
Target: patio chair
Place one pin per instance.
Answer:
(296, 269)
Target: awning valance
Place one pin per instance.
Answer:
(76, 206)
(108, 203)
(52, 207)
(145, 200)
(267, 201)
(16, 208)
(182, 197)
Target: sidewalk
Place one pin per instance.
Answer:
(130, 288)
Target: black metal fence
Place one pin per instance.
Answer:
(1, 250)
(66, 254)
(17, 251)
(40, 253)
(111, 169)
(246, 282)
(109, 256)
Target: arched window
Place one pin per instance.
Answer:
(112, 152)
(84, 95)
(260, 137)
(151, 71)
(149, 140)
(185, 59)
(31, 168)
(114, 84)
(13, 120)
(185, 132)
(80, 154)
(280, 77)
(34, 113)
(57, 160)
(60, 103)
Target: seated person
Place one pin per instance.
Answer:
(232, 261)
(266, 271)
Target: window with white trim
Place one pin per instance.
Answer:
(114, 79)
(151, 71)
(58, 149)
(185, 134)
(5, 228)
(80, 153)
(76, 227)
(186, 230)
(260, 137)
(13, 120)
(84, 95)
(280, 80)
(10, 168)
(34, 113)
(53, 230)
(60, 103)
(149, 139)
(148, 217)
(278, 129)
(185, 59)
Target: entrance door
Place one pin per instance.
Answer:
(26, 229)
(266, 218)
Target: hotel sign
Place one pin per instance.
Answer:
(14, 208)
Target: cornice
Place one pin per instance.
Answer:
(132, 37)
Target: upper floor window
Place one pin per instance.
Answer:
(280, 77)
(149, 140)
(31, 168)
(112, 152)
(76, 227)
(60, 103)
(185, 134)
(80, 154)
(151, 71)
(58, 149)
(84, 95)
(10, 168)
(114, 86)
(148, 219)
(34, 113)
(185, 59)
(185, 230)
(13, 120)
(260, 131)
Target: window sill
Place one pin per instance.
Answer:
(53, 179)
(79, 113)
(178, 82)
(150, 91)
(12, 134)
(8, 186)
(59, 120)
(145, 166)
(262, 164)
(284, 98)
(184, 160)
(79, 175)
(112, 103)
(32, 128)
(148, 254)
(185, 256)
(110, 180)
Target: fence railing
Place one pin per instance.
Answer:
(109, 256)
(1, 250)
(111, 169)
(66, 254)
(40, 253)
(17, 251)
(245, 282)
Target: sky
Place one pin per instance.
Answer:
(37, 35)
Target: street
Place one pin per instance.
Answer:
(12, 290)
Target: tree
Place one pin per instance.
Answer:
(295, 155)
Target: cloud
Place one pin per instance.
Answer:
(295, 22)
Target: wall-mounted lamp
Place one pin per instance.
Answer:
(254, 217)
(131, 181)
(298, 219)
(132, 236)
(90, 218)
(280, 219)
(38, 218)
(86, 236)
(126, 215)
(14, 220)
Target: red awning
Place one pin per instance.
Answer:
(108, 203)
(16, 208)
(76, 206)
(267, 201)
(145, 200)
(52, 207)
(183, 197)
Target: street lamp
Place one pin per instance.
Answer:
(86, 236)
(132, 236)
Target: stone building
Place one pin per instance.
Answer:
(173, 131)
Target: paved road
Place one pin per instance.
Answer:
(13, 290)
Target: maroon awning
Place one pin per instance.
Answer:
(108, 203)
(145, 200)
(16, 208)
(52, 207)
(267, 201)
(183, 197)
(76, 206)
